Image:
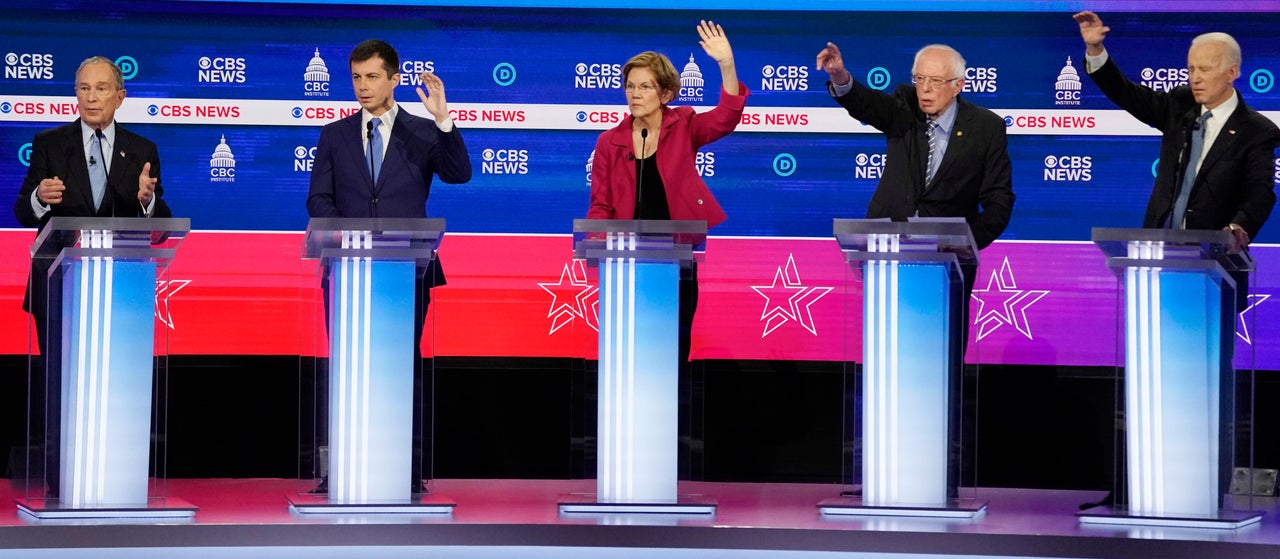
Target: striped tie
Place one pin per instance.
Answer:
(933, 131)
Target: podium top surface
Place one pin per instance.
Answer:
(657, 240)
(389, 238)
(644, 227)
(1209, 245)
(950, 235)
(124, 233)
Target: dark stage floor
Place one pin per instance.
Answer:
(519, 518)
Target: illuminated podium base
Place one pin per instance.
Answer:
(419, 504)
(586, 503)
(853, 506)
(1118, 516)
(167, 508)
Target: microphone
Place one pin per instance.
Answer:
(369, 135)
(644, 134)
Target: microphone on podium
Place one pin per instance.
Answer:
(644, 134)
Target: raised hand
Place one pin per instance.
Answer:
(1092, 31)
(714, 41)
(717, 46)
(831, 62)
(433, 97)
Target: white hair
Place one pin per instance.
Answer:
(1230, 47)
(956, 62)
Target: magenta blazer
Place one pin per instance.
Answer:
(613, 171)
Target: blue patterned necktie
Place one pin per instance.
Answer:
(97, 169)
(374, 157)
(1189, 175)
(933, 130)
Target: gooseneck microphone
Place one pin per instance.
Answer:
(644, 134)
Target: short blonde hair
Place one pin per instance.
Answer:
(663, 71)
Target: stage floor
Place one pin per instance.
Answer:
(519, 518)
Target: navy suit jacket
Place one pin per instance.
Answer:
(1235, 183)
(973, 180)
(342, 186)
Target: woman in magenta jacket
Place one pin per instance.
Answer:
(665, 141)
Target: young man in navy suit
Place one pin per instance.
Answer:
(92, 167)
(396, 183)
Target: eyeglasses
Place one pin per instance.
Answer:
(645, 88)
(933, 82)
(101, 89)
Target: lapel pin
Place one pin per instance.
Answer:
(121, 153)
(1231, 131)
(959, 132)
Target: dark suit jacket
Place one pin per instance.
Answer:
(973, 180)
(1236, 179)
(341, 185)
(59, 152)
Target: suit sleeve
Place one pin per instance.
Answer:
(452, 164)
(321, 200)
(161, 208)
(1145, 104)
(995, 195)
(717, 123)
(39, 169)
(1259, 184)
(886, 113)
(602, 206)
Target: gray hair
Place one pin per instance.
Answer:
(956, 62)
(1229, 45)
(115, 70)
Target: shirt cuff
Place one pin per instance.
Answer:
(36, 207)
(841, 90)
(150, 208)
(445, 125)
(1092, 63)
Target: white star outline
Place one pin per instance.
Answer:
(164, 290)
(799, 303)
(1013, 310)
(586, 301)
(1243, 330)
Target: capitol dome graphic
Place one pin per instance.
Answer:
(692, 75)
(222, 156)
(1068, 78)
(316, 69)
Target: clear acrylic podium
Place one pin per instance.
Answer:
(638, 392)
(372, 265)
(912, 362)
(1179, 395)
(99, 289)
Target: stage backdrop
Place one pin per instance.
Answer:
(234, 94)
